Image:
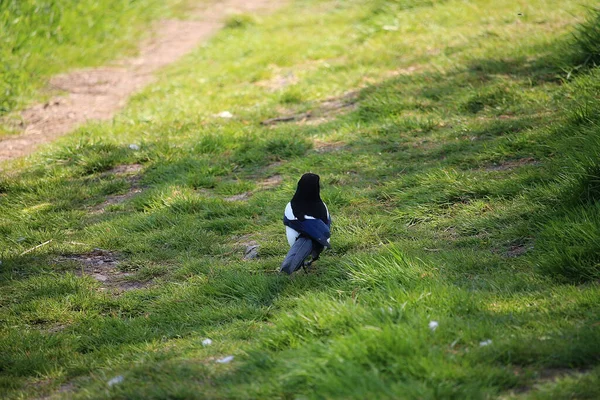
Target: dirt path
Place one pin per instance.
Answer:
(98, 93)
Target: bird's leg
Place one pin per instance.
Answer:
(307, 264)
(311, 259)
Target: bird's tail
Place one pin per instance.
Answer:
(298, 252)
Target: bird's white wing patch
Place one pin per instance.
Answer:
(292, 235)
(289, 213)
(308, 217)
(327, 209)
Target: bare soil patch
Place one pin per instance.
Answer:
(325, 111)
(98, 93)
(412, 69)
(512, 164)
(516, 250)
(265, 184)
(239, 197)
(102, 265)
(56, 328)
(282, 77)
(62, 390)
(271, 182)
(131, 174)
(321, 146)
(545, 376)
(117, 199)
(278, 82)
(125, 169)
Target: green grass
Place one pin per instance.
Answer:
(463, 188)
(39, 38)
(586, 41)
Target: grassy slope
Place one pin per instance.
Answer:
(39, 38)
(465, 192)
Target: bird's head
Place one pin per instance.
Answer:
(308, 187)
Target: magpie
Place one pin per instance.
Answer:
(307, 225)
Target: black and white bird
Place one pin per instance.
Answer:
(307, 225)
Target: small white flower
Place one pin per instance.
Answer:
(134, 146)
(225, 360)
(116, 380)
(206, 342)
(433, 325)
(485, 342)
(225, 114)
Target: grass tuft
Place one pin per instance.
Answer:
(240, 21)
(586, 41)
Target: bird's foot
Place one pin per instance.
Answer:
(306, 265)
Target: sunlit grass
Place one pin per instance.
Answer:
(42, 38)
(463, 185)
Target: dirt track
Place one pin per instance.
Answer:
(98, 93)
